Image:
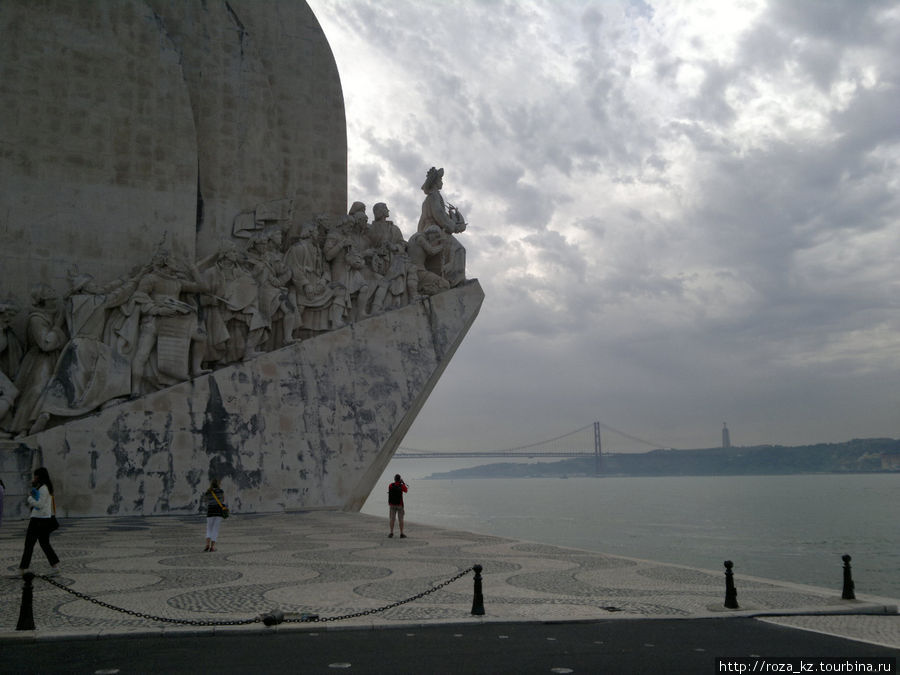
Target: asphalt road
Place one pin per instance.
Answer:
(615, 646)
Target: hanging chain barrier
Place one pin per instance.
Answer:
(26, 621)
(368, 612)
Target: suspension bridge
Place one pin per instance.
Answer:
(586, 441)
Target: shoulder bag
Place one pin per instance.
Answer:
(54, 523)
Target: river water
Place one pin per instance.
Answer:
(790, 528)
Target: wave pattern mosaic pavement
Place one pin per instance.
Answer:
(334, 564)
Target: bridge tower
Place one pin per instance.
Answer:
(596, 448)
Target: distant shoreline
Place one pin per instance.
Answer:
(859, 456)
(446, 475)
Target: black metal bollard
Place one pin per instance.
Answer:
(478, 600)
(26, 613)
(730, 591)
(847, 593)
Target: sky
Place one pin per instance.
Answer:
(681, 213)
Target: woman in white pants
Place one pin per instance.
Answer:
(215, 512)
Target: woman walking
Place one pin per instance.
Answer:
(215, 512)
(39, 526)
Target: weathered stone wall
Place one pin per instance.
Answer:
(98, 153)
(122, 122)
(268, 108)
(312, 425)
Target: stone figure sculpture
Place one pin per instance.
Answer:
(276, 308)
(235, 326)
(167, 321)
(89, 372)
(123, 320)
(342, 251)
(382, 232)
(370, 299)
(10, 357)
(45, 338)
(170, 345)
(426, 255)
(448, 218)
(10, 347)
(313, 293)
(8, 394)
(389, 259)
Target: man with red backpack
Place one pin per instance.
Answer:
(395, 502)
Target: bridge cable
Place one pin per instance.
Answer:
(520, 447)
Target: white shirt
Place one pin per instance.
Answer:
(42, 506)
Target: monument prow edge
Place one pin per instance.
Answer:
(312, 425)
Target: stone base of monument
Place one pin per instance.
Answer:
(309, 426)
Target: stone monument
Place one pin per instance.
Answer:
(184, 293)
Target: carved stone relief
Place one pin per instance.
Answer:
(268, 286)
